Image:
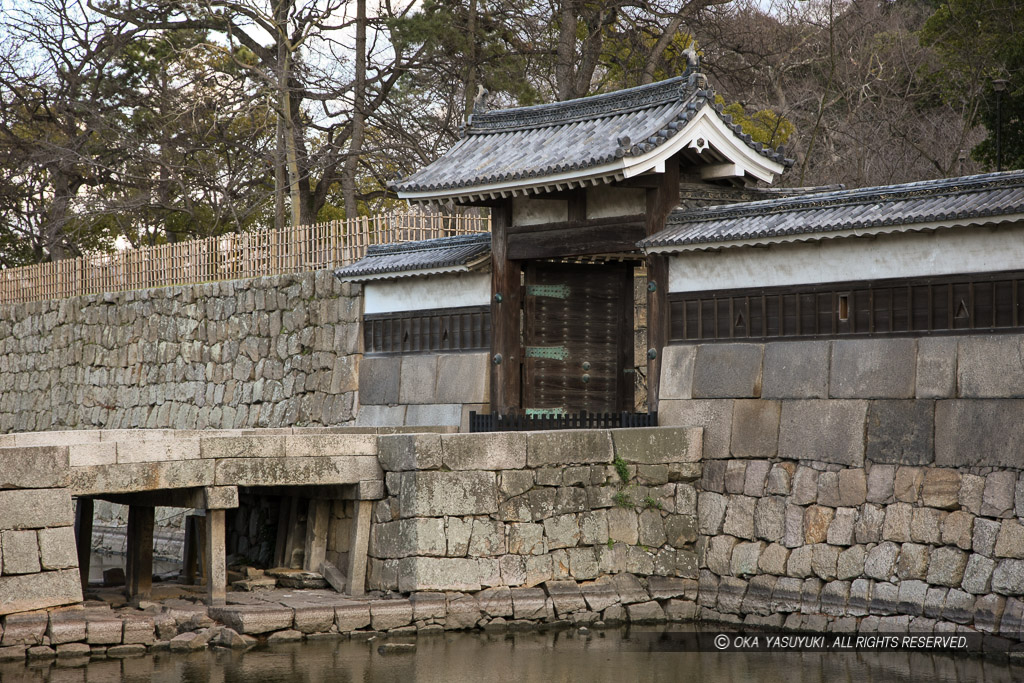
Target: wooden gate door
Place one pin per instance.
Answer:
(578, 338)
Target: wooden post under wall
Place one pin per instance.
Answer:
(318, 521)
(660, 202)
(83, 538)
(139, 569)
(506, 283)
(360, 539)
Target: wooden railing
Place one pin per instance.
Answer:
(228, 257)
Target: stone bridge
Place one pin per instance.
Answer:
(43, 471)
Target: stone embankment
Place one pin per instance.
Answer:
(96, 630)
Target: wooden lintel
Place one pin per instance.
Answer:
(637, 219)
(648, 181)
(721, 171)
(576, 241)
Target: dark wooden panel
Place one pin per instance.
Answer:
(979, 302)
(579, 240)
(448, 329)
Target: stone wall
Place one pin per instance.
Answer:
(470, 511)
(270, 352)
(38, 556)
(423, 389)
(870, 485)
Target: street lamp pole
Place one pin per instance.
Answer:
(999, 85)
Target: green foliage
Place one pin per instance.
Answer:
(622, 469)
(622, 499)
(764, 126)
(651, 503)
(979, 41)
(611, 543)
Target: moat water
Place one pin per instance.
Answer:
(612, 656)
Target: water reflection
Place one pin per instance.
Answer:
(601, 657)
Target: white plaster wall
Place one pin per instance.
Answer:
(527, 211)
(608, 202)
(427, 292)
(943, 252)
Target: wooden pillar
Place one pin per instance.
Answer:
(360, 546)
(195, 549)
(660, 202)
(318, 521)
(216, 558)
(139, 569)
(83, 538)
(505, 342)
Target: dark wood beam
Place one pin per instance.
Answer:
(637, 219)
(506, 304)
(660, 202)
(584, 240)
(83, 538)
(139, 563)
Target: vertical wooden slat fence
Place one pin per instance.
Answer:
(228, 257)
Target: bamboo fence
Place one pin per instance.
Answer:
(228, 257)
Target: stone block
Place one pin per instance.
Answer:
(713, 416)
(880, 562)
(713, 475)
(711, 508)
(860, 598)
(66, 627)
(529, 603)
(389, 614)
(20, 552)
(852, 487)
(445, 574)
(254, 619)
(35, 508)
(978, 432)
(880, 484)
(934, 601)
(947, 566)
(941, 489)
(57, 548)
(138, 631)
(898, 520)
(434, 494)
(873, 368)
(926, 526)
(657, 445)
(958, 529)
(824, 559)
(645, 612)
(401, 452)
(565, 597)
(651, 528)
(773, 559)
(314, 618)
(958, 607)
(434, 415)
(718, 556)
(573, 447)
(786, 594)
(828, 489)
(907, 485)
(913, 562)
(1008, 577)
(936, 367)
(884, 599)
(810, 598)
(88, 454)
(731, 592)
(24, 629)
(997, 500)
(805, 486)
(816, 523)
(850, 563)
(745, 557)
(1010, 540)
(165, 450)
(755, 428)
(284, 471)
(108, 630)
(990, 366)
(868, 528)
(841, 528)
(370, 415)
(739, 517)
(379, 378)
(911, 597)
(735, 476)
(34, 467)
(677, 371)
(794, 533)
(418, 377)
(329, 444)
(780, 479)
(562, 531)
(770, 518)
(796, 369)
(799, 564)
(125, 478)
(463, 378)
(834, 597)
(686, 499)
(727, 371)
(972, 491)
(405, 537)
(986, 532)
(491, 451)
(901, 432)
(823, 431)
(353, 616)
(758, 599)
(755, 476)
(978, 574)
(988, 611)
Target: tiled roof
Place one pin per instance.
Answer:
(440, 255)
(890, 208)
(573, 136)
